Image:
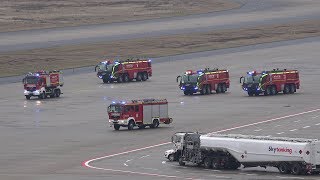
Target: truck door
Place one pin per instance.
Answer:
(138, 113)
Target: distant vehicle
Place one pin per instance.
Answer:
(141, 113)
(124, 71)
(229, 151)
(271, 82)
(204, 81)
(43, 84)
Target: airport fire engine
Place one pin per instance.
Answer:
(204, 81)
(141, 113)
(124, 71)
(271, 82)
(43, 84)
(229, 151)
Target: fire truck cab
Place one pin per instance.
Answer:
(141, 113)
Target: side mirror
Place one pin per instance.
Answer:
(95, 69)
(241, 79)
(178, 78)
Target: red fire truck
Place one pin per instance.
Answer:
(43, 84)
(141, 113)
(271, 82)
(204, 81)
(124, 71)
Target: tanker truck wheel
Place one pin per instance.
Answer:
(181, 163)
(273, 90)
(207, 163)
(296, 169)
(171, 157)
(208, 89)
(267, 92)
(284, 168)
(224, 88)
(116, 127)
(219, 89)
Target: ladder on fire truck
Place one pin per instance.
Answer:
(148, 101)
(240, 136)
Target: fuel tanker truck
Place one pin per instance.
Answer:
(230, 151)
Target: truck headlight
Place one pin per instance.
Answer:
(25, 92)
(100, 77)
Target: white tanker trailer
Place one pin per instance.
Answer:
(230, 151)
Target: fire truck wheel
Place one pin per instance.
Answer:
(138, 78)
(28, 97)
(130, 125)
(57, 92)
(116, 127)
(43, 95)
(171, 157)
(296, 169)
(120, 79)
(208, 89)
(284, 168)
(267, 92)
(224, 88)
(292, 88)
(126, 78)
(105, 80)
(218, 90)
(155, 124)
(216, 163)
(273, 90)
(207, 163)
(144, 76)
(181, 163)
(286, 89)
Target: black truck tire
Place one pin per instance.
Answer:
(28, 97)
(116, 127)
(130, 125)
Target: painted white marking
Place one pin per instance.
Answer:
(144, 156)
(129, 160)
(288, 177)
(318, 124)
(293, 130)
(280, 133)
(223, 177)
(306, 127)
(150, 169)
(314, 117)
(257, 130)
(297, 121)
(277, 125)
(269, 120)
(125, 164)
(87, 163)
(163, 162)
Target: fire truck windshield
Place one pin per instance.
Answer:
(249, 79)
(105, 67)
(31, 80)
(115, 108)
(190, 78)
